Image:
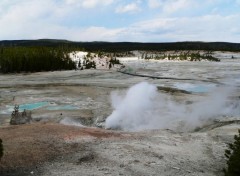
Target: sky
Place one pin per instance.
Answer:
(121, 20)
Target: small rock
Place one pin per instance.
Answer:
(176, 168)
(136, 161)
(103, 169)
(85, 158)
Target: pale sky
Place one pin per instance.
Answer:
(121, 20)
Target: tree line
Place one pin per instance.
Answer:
(128, 46)
(182, 56)
(34, 59)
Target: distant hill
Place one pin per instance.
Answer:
(126, 46)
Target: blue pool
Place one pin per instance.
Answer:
(195, 88)
(33, 106)
(199, 89)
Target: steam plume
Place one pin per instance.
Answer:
(143, 107)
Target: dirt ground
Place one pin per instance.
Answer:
(55, 149)
(27, 147)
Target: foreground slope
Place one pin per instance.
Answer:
(54, 149)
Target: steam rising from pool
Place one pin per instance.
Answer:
(143, 107)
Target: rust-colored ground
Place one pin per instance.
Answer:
(30, 145)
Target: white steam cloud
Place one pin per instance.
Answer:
(143, 107)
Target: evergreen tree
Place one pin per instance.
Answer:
(110, 65)
(1, 149)
(79, 63)
(233, 156)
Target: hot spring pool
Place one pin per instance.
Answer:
(195, 88)
(38, 105)
(33, 106)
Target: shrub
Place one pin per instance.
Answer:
(90, 64)
(233, 156)
(114, 61)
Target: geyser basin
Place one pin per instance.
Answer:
(142, 107)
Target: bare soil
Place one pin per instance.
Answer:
(29, 146)
(53, 149)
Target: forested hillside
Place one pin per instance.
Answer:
(34, 59)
